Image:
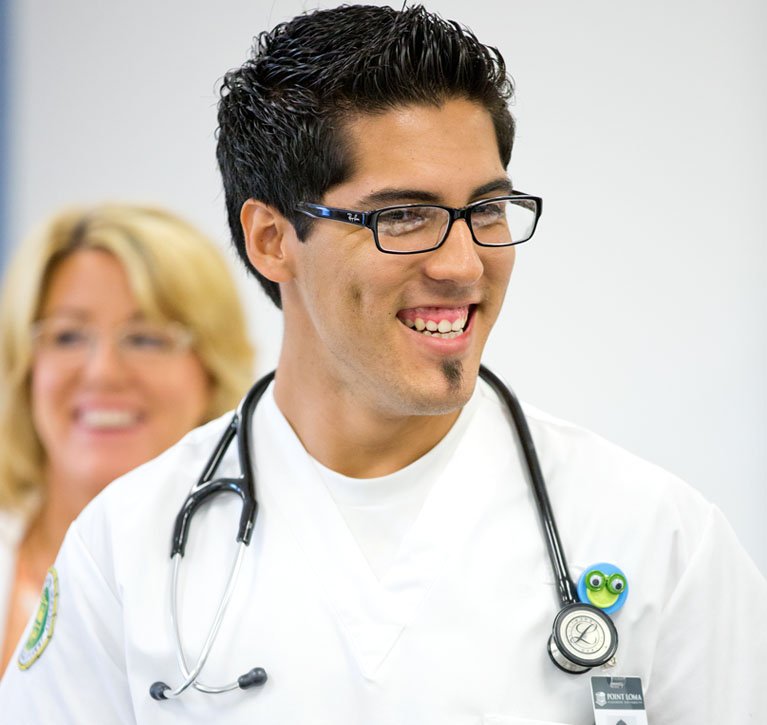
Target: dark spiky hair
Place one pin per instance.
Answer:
(281, 114)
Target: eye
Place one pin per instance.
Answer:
(595, 580)
(405, 220)
(67, 337)
(616, 583)
(490, 213)
(148, 339)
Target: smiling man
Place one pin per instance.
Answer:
(405, 566)
(385, 326)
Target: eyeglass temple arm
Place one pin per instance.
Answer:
(348, 216)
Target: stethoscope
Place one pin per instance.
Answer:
(583, 636)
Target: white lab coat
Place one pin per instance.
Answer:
(454, 634)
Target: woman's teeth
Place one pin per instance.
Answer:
(443, 328)
(108, 418)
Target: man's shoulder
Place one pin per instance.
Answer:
(152, 493)
(579, 463)
(175, 467)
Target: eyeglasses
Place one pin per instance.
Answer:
(141, 342)
(413, 228)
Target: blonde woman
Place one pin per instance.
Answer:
(120, 330)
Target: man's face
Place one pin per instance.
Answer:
(352, 313)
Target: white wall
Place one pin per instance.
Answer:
(638, 310)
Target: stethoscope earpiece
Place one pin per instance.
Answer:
(158, 690)
(255, 678)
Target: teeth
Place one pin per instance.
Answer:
(108, 418)
(443, 328)
(444, 335)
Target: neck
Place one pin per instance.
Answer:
(47, 529)
(350, 436)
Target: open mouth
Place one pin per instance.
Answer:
(444, 322)
(107, 419)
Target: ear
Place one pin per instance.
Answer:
(266, 233)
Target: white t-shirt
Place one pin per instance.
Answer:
(455, 630)
(380, 511)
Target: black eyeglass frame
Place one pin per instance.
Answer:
(369, 219)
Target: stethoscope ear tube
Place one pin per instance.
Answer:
(567, 591)
(200, 491)
(239, 427)
(244, 439)
(193, 502)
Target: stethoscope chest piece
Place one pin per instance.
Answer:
(583, 637)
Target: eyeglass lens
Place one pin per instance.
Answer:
(497, 222)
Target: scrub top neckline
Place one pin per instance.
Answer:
(371, 612)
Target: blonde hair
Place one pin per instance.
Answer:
(175, 273)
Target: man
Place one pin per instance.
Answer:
(397, 572)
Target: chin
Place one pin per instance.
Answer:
(449, 393)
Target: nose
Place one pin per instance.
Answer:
(457, 260)
(104, 364)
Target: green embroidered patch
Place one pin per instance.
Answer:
(42, 627)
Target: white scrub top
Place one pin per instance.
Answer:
(455, 630)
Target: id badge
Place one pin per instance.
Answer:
(618, 701)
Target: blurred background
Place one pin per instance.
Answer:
(640, 308)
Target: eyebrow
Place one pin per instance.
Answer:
(82, 314)
(64, 312)
(501, 185)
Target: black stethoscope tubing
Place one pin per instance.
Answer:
(565, 584)
(563, 651)
(243, 485)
